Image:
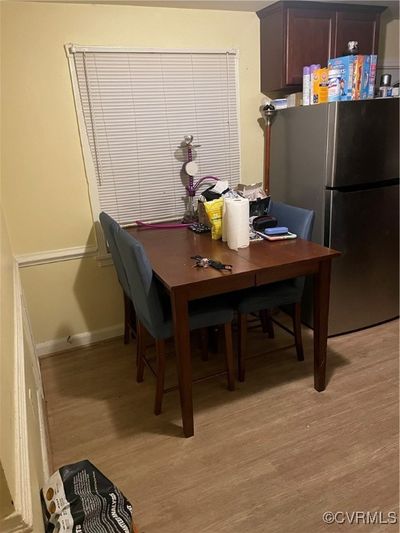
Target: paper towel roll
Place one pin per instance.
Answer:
(235, 222)
(224, 219)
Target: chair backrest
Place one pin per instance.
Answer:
(110, 226)
(298, 220)
(144, 290)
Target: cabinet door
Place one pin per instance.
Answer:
(358, 26)
(271, 51)
(309, 39)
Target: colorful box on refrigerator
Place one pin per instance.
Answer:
(365, 77)
(340, 78)
(361, 77)
(357, 77)
(373, 59)
(320, 86)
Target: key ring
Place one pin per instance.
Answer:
(205, 262)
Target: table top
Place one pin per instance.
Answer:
(170, 251)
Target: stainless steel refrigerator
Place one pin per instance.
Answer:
(342, 160)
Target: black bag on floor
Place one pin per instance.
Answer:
(78, 498)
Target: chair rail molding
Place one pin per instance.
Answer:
(56, 256)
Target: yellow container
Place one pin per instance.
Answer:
(320, 86)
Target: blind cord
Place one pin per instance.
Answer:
(96, 162)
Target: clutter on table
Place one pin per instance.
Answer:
(230, 212)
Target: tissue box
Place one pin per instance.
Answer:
(295, 99)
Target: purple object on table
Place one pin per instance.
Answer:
(161, 225)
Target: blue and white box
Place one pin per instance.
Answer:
(373, 59)
(340, 78)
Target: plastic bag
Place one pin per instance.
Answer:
(259, 207)
(214, 212)
(78, 498)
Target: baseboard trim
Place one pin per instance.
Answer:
(86, 338)
(56, 256)
(14, 523)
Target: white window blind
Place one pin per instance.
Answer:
(136, 107)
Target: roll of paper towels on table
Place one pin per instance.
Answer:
(224, 220)
(235, 222)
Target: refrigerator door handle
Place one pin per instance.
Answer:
(331, 144)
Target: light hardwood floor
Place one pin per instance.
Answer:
(270, 457)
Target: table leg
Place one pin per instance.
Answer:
(183, 359)
(321, 310)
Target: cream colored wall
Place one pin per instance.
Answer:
(69, 297)
(45, 189)
(389, 38)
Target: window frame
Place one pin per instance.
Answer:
(103, 255)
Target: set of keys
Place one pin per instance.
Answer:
(205, 262)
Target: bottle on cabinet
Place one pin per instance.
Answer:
(306, 85)
(385, 86)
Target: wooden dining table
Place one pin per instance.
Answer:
(262, 262)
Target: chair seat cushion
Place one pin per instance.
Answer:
(210, 311)
(268, 296)
(203, 313)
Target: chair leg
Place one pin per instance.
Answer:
(230, 363)
(140, 351)
(204, 344)
(266, 323)
(213, 339)
(132, 318)
(242, 325)
(127, 316)
(160, 351)
(297, 331)
(129, 319)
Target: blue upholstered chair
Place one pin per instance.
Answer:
(260, 299)
(108, 225)
(153, 311)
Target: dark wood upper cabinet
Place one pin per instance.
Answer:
(295, 34)
(315, 30)
(357, 26)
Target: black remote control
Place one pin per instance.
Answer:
(199, 228)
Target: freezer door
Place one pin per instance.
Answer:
(364, 226)
(298, 160)
(363, 142)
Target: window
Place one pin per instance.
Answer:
(134, 108)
